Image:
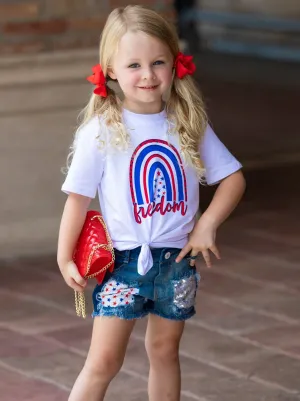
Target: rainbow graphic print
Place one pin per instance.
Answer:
(157, 180)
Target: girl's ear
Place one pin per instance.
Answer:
(111, 74)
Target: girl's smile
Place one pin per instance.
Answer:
(148, 88)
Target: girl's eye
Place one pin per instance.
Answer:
(158, 62)
(134, 65)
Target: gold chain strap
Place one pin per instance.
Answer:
(79, 296)
(80, 304)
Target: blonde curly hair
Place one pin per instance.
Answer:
(184, 106)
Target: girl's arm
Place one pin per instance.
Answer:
(225, 200)
(72, 221)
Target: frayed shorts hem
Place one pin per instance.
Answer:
(174, 318)
(120, 315)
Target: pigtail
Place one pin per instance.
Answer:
(109, 111)
(186, 104)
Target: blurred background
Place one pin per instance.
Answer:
(244, 343)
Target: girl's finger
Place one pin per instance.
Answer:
(183, 252)
(215, 251)
(193, 258)
(71, 283)
(79, 280)
(206, 258)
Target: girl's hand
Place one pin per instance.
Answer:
(202, 239)
(72, 277)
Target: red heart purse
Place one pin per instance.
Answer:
(93, 254)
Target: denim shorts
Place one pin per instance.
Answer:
(167, 290)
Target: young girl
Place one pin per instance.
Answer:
(144, 146)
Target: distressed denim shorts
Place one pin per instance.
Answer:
(167, 290)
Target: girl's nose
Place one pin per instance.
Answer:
(148, 74)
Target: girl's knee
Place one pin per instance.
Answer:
(163, 350)
(106, 365)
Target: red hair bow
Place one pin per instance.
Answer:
(99, 80)
(184, 65)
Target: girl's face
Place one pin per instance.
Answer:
(143, 67)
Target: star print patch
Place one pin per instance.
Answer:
(115, 294)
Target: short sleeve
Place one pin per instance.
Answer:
(87, 165)
(218, 161)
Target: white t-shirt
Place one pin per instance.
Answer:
(148, 196)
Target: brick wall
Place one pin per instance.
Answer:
(30, 26)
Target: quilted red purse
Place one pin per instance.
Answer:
(93, 254)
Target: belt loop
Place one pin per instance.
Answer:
(127, 256)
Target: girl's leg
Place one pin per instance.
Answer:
(105, 358)
(162, 345)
